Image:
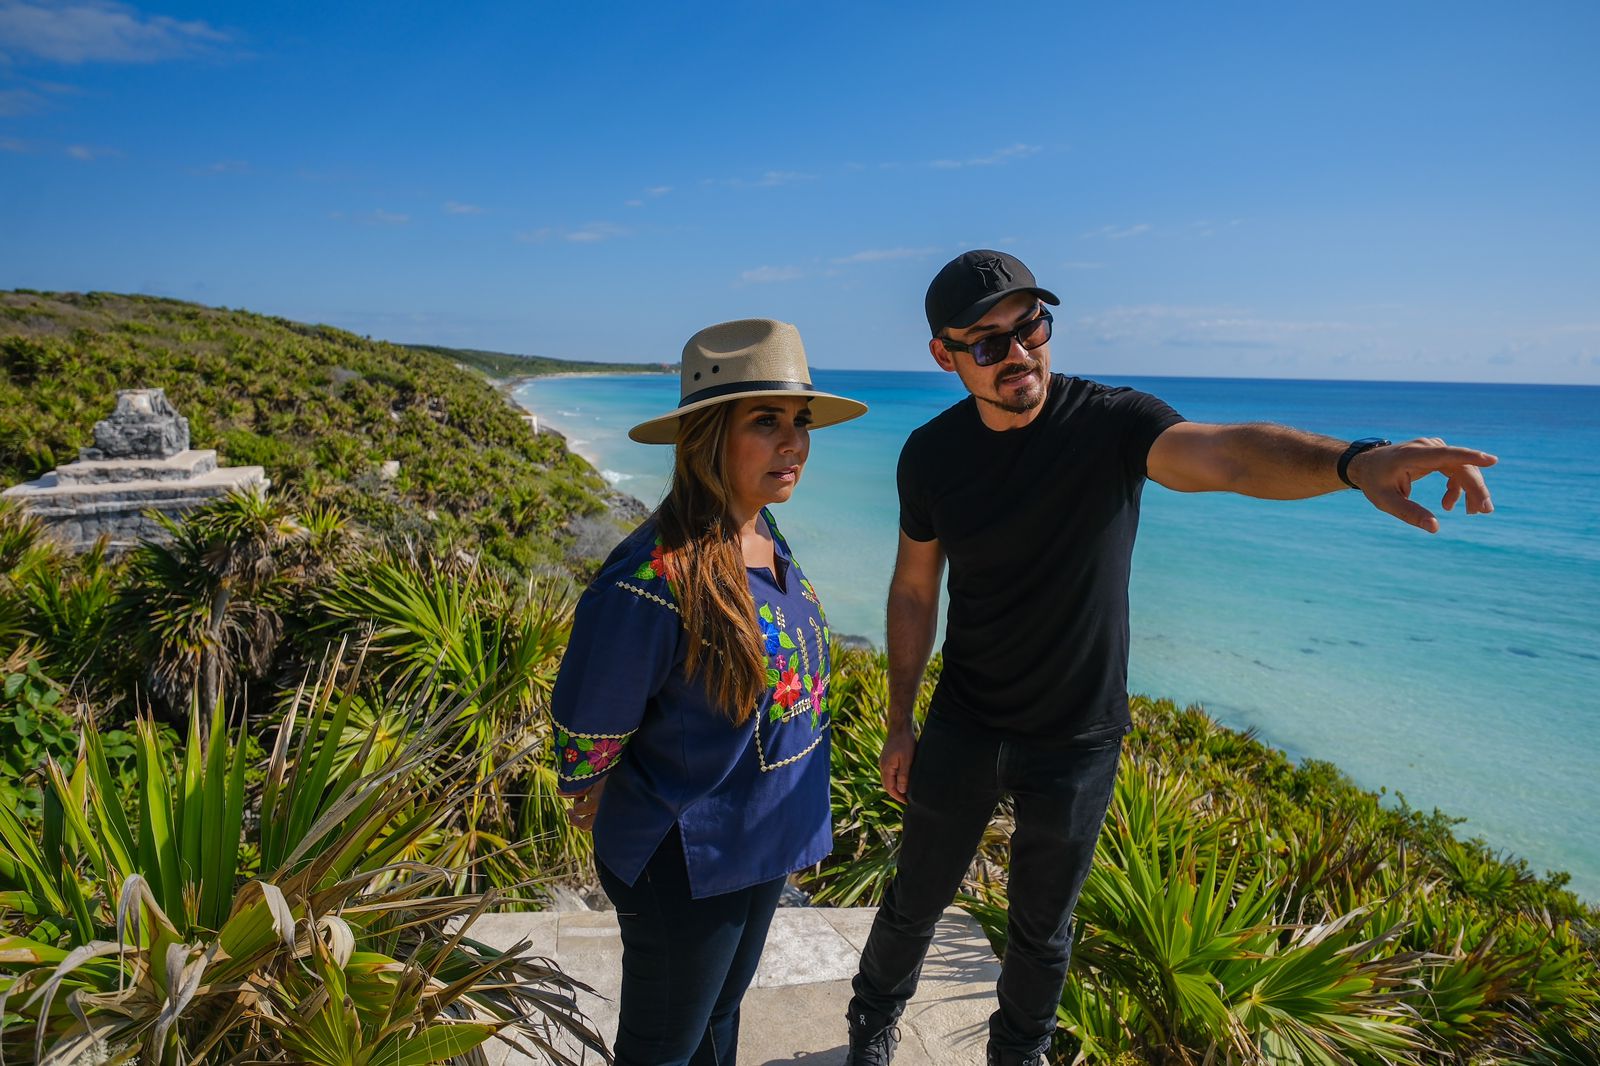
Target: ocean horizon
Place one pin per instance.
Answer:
(1458, 670)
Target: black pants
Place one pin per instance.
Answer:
(685, 962)
(958, 776)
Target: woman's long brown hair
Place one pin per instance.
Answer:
(726, 650)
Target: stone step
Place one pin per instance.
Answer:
(183, 466)
(794, 1011)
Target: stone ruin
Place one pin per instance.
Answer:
(141, 462)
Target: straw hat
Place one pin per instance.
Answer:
(750, 357)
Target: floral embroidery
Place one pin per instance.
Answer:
(665, 562)
(785, 689)
(771, 635)
(581, 755)
(797, 683)
(817, 689)
(772, 630)
(810, 595)
(662, 564)
(604, 752)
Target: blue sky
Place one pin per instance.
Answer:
(1402, 191)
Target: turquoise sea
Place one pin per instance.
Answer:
(1462, 670)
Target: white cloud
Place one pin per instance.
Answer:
(765, 275)
(20, 102)
(1207, 228)
(1205, 327)
(879, 255)
(773, 178)
(82, 31)
(85, 153)
(455, 207)
(381, 217)
(595, 232)
(770, 179)
(1008, 154)
(1117, 233)
(654, 192)
(11, 144)
(224, 166)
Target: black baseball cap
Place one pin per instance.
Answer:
(973, 282)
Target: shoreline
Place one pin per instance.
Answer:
(510, 386)
(622, 508)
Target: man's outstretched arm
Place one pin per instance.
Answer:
(1273, 462)
(913, 621)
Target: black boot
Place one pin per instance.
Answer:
(872, 1040)
(996, 1057)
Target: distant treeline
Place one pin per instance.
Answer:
(507, 365)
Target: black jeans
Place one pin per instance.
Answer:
(958, 776)
(685, 962)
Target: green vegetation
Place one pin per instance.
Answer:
(1245, 909)
(361, 766)
(165, 923)
(279, 888)
(321, 409)
(506, 366)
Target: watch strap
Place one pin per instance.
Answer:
(1355, 449)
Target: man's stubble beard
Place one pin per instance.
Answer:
(1023, 406)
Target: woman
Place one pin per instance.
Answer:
(691, 710)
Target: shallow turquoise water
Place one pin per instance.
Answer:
(1462, 670)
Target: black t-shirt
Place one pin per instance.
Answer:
(1038, 526)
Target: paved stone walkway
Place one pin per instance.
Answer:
(794, 1011)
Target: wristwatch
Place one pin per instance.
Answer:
(1356, 448)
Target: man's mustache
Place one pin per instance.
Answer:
(1018, 370)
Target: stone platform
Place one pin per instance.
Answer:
(141, 466)
(80, 509)
(794, 1011)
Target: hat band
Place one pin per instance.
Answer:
(733, 387)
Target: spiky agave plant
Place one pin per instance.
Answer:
(130, 934)
(1184, 954)
(502, 646)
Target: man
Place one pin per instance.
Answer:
(1030, 489)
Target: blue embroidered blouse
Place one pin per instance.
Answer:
(750, 801)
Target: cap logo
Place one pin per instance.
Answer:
(993, 271)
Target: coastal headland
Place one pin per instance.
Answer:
(399, 601)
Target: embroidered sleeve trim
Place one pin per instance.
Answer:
(646, 594)
(580, 756)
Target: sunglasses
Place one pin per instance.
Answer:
(996, 346)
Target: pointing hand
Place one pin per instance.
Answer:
(1385, 475)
